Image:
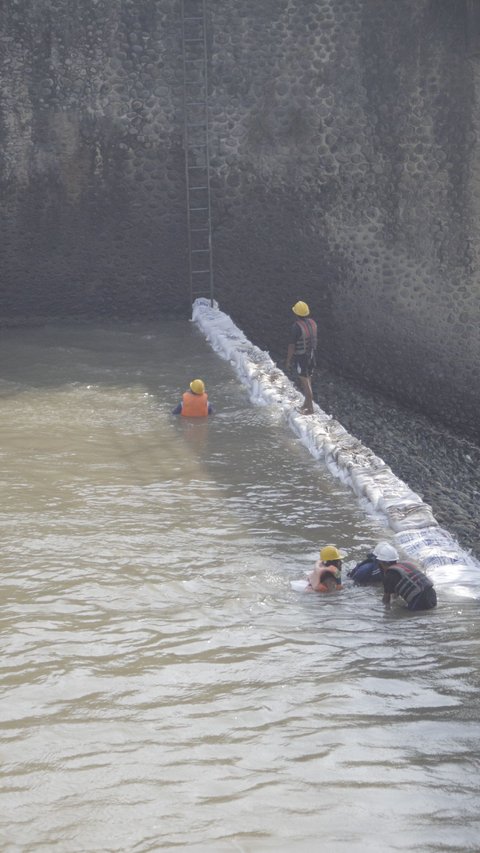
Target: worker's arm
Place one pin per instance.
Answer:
(313, 578)
(177, 410)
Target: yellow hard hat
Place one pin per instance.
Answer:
(197, 386)
(301, 309)
(330, 552)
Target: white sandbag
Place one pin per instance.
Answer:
(299, 586)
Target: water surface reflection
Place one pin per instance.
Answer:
(161, 687)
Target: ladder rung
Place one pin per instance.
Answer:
(189, 18)
(198, 229)
(199, 272)
(197, 145)
(198, 167)
(197, 124)
(197, 251)
(199, 188)
(195, 104)
(189, 41)
(191, 209)
(200, 59)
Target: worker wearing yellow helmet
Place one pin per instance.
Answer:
(327, 574)
(194, 403)
(302, 352)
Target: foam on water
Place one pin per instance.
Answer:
(414, 527)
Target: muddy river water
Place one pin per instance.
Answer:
(161, 685)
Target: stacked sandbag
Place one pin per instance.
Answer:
(380, 492)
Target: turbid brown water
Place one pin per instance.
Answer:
(161, 686)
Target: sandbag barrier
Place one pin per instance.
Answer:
(380, 492)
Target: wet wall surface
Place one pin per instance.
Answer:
(92, 173)
(345, 171)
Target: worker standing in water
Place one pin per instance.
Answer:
(404, 579)
(301, 350)
(194, 402)
(327, 574)
(367, 571)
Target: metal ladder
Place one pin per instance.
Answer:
(197, 159)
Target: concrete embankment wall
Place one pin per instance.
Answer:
(345, 171)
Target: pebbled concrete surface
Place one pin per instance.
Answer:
(436, 463)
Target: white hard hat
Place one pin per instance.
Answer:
(385, 552)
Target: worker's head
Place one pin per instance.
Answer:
(330, 555)
(385, 553)
(197, 386)
(301, 309)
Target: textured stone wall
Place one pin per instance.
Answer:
(345, 171)
(92, 206)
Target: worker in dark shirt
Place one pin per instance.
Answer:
(368, 571)
(301, 350)
(404, 579)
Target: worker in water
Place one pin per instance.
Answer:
(367, 571)
(194, 403)
(302, 352)
(403, 579)
(327, 574)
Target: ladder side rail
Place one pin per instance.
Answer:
(197, 144)
(207, 150)
(185, 142)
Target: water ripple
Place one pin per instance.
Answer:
(161, 685)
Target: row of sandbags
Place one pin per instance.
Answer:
(380, 492)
